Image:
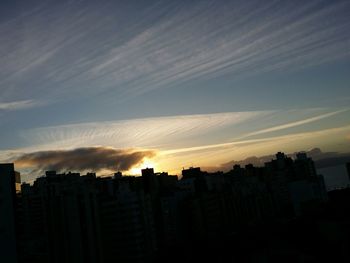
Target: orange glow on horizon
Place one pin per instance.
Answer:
(146, 163)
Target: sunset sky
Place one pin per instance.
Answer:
(171, 84)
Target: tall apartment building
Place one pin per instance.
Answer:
(8, 243)
(60, 219)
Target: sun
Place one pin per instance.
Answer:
(146, 163)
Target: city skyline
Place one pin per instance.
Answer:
(176, 84)
(157, 217)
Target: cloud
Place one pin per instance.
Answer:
(17, 105)
(83, 159)
(147, 132)
(213, 146)
(170, 43)
(184, 133)
(255, 42)
(282, 139)
(295, 124)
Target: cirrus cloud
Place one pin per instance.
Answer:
(18, 105)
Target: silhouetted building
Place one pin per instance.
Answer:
(8, 243)
(60, 219)
(294, 183)
(150, 181)
(191, 172)
(166, 182)
(127, 222)
(74, 218)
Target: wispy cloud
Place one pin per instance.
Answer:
(287, 138)
(267, 42)
(156, 132)
(18, 105)
(295, 123)
(217, 145)
(182, 133)
(170, 43)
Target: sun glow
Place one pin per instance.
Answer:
(146, 163)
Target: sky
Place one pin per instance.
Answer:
(171, 84)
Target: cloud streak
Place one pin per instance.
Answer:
(17, 105)
(183, 133)
(83, 159)
(295, 124)
(156, 132)
(171, 43)
(299, 136)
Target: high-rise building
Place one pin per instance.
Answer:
(150, 182)
(60, 218)
(127, 223)
(7, 213)
(295, 183)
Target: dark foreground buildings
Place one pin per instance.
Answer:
(274, 213)
(9, 180)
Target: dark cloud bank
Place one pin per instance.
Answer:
(83, 159)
